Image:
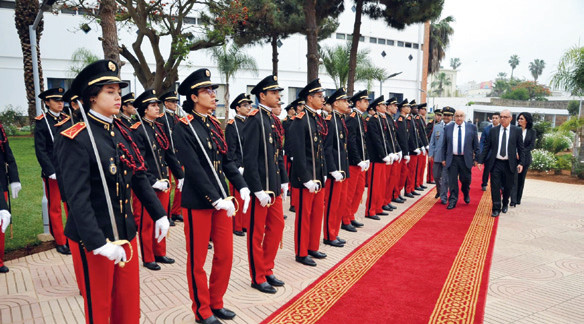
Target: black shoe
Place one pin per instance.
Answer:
(151, 266)
(382, 214)
(443, 202)
(415, 193)
(239, 233)
(245, 229)
(317, 254)
(4, 269)
(285, 217)
(484, 188)
(402, 198)
(375, 217)
(265, 287)
(349, 228)
(210, 246)
(223, 313)
(289, 193)
(334, 242)
(505, 209)
(437, 195)
(423, 187)
(306, 261)
(467, 200)
(209, 320)
(356, 223)
(292, 209)
(171, 221)
(419, 188)
(409, 195)
(398, 200)
(518, 203)
(451, 205)
(341, 240)
(512, 204)
(386, 207)
(431, 182)
(495, 213)
(63, 249)
(272, 280)
(177, 218)
(164, 259)
(391, 206)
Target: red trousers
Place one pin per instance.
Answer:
(288, 165)
(200, 226)
(176, 208)
(2, 236)
(309, 209)
(240, 219)
(335, 196)
(55, 211)
(111, 293)
(421, 168)
(392, 176)
(412, 168)
(377, 182)
(403, 175)
(430, 175)
(149, 246)
(352, 200)
(264, 234)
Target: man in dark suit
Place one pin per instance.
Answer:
(504, 144)
(461, 151)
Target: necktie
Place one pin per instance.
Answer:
(503, 151)
(459, 140)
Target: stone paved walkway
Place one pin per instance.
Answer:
(537, 274)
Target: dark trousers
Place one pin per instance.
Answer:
(517, 191)
(456, 171)
(501, 180)
(441, 179)
(485, 178)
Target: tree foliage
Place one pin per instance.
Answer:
(455, 63)
(81, 58)
(570, 74)
(536, 68)
(527, 90)
(513, 62)
(441, 80)
(440, 32)
(573, 107)
(336, 63)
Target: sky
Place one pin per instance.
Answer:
(487, 33)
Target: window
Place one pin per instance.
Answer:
(400, 44)
(398, 96)
(361, 38)
(190, 20)
(390, 42)
(409, 45)
(416, 46)
(59, 83)
(340, 36)
(372, 40)
(381, 41)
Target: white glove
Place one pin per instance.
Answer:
(423, 150)
(225, 204)
(263, 197)
(180, 184)
(407, 158)
(111, 251)
(400, 156)
(311, 185)
(323, 181)
(387, 160)
(15, 188)
(417, 151)
(161, 228)
(427, 148)
(337, 175)
(363, 165)
(368, 163)
(240, 169)
(160, 185)
(284, 188)
(4, 219)
(291, 158)
(53, 176)
(244, 194)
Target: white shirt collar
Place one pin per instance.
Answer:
(266, 107)
(309, 109)
(102, 117)
(54, 113)
(240, 116)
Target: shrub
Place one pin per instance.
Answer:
(579, 170)
(563, 162)
(516, 94)
(10, 130)
(542, 160)
(556, 142)
(541, 127)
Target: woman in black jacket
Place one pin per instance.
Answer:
(525, 121)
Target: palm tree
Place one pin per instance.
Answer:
(502, 76)
(440, 32)
(336, 63)
(229, 61)
(513, 61)
(439, 82)
(536, 68)
(82, 58)
(455, 63)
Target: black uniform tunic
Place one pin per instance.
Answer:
(357, 139)
(335, 144)
(234, 138)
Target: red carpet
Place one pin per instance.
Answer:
(429, 265)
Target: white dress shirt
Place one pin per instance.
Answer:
(455, 139)
(506, 144)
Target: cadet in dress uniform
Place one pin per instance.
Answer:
(234, 138)
(295, 107)
(394, 171)
(414, 145)
(403, 138)
(308, 173)
(151, 138)
(358, 160)
(127, 111)
(423, 111)
(169, 118)
(11, 179)
(207, 208)
(423, 138)
(44, 137)
(265, 174)
(337, 161)
(103, 248)
(70, 98)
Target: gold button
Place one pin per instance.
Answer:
(112, 133)
(127, 186)
(125, 172)
(126, 201)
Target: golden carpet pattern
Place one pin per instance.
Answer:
(315, 302)
(459, 296)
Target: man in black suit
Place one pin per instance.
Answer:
(461, 151)
(505, 142)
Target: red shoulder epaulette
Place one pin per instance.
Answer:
(72, 131)
(214, 118)
(409, 117)
(367, 119)
(328, 117)
(300, 115)
(62, 121)
(400, 118)
(353, 114)
(253, 112)
(39, 117)
(161, 115)
(376, 116)
(230, 121)
(187, 119)
(135, 126)
(417, 117)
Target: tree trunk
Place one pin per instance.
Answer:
(275, 54)
(226, 99)
(109, 39)
(25, 12)
(311, 39)
(354, 47)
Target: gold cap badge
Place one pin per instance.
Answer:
(111, 65)
(275, 78)
(208, 73)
